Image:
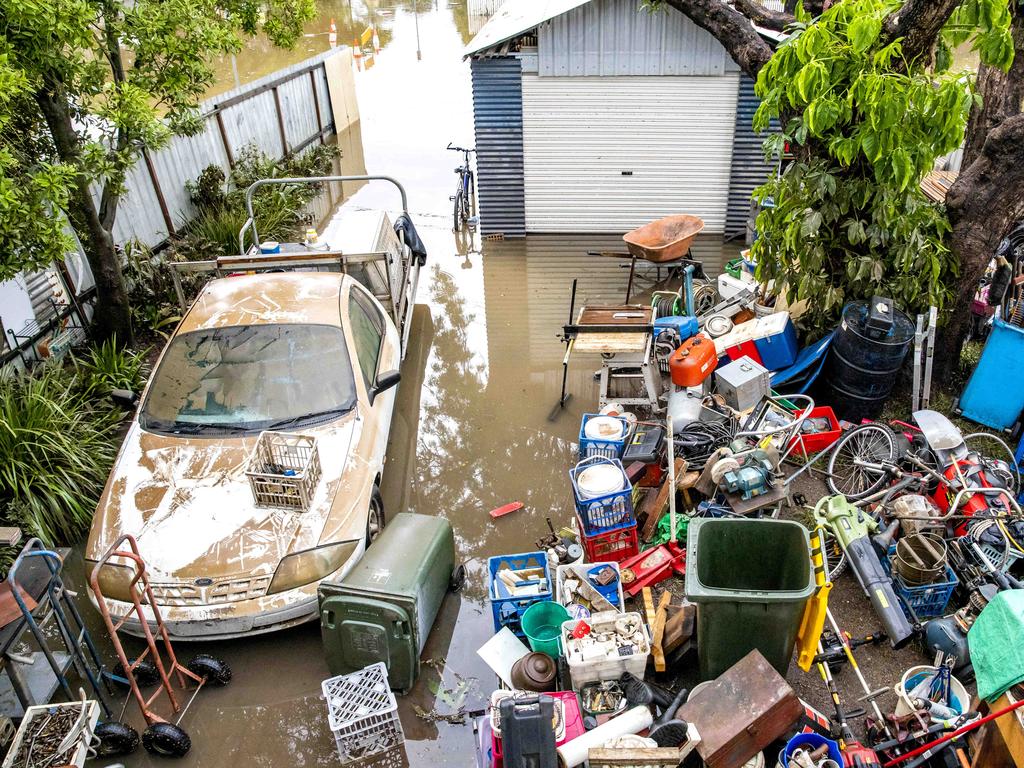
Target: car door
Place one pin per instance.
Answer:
(376, 350)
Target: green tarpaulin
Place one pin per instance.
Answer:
(997, 644)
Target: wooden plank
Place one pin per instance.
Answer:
(611, 342)
(649, 612)
(658, 631)
(623, 314)
(678, 626)
(1011, 728)
(656, 757)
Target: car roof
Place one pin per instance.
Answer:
(280, 297)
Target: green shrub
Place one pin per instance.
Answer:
(147, 276)
(102, 369)
(56, 448)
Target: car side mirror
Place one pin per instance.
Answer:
(384, 382)
(125, 398)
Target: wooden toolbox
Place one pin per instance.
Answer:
(746, 708)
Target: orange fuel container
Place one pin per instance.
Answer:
(693, 361)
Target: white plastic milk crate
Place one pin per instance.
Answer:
(580, 571)
(363, 713)
(589, 662)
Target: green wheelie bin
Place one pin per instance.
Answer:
(750, 580)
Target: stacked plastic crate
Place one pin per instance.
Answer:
(605, 520)
(516, 583)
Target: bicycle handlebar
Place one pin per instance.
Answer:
(458, 149)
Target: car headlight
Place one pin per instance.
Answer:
(115, 580)
(302, 568)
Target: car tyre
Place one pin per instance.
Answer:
(210, 668)
(166, 740)
(375, 519)
(116, 739)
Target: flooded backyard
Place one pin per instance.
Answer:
(471, 429)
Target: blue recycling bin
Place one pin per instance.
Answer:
(994, 395)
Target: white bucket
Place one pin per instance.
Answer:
(961, 700)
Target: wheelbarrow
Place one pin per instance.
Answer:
(666, 239)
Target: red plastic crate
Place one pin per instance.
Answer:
(819, 441)
(745, 349)
(611, 546)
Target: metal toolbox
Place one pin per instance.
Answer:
(743, 383)
(384, 609)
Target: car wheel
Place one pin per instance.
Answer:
(166, 739)
(375, 519)
(115, 739)
(211, 669)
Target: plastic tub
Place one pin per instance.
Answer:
(542, 625)
(960, 700)
(811, 741)
(611, 667)
(750, 580)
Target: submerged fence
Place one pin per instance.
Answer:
(282, 114)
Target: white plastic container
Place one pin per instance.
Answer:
(729, 286)
(581, 570)
(78, 753)
(904, 706)
(613, 664)
(363, 713)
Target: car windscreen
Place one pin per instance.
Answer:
(249, 378)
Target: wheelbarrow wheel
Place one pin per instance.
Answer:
(210, 668)
(145, 672)
(166, 740)
(116, 739)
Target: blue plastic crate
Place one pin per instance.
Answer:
(927, 600)
(506, 610)
(608, 449)
(603, 514)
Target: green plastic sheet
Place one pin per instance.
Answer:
(663, 530)
(997, 644)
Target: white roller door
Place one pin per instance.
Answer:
(607, 154)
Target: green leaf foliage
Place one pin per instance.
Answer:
(126, 75)
(56, 447)
(847, 219)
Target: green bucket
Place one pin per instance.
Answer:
(542, 625)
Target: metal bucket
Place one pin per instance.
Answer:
(920, 559)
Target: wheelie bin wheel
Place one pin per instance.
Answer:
(166, 739)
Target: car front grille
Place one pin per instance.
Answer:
(224, 591)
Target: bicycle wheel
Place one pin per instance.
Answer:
(835, 554)
(872, 443)
(465, 205)
(472, 191)
(458, 211)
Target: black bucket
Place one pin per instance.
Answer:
(862, 371)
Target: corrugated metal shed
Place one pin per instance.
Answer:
(619, 37)
(607, 154)
(498, 120)
(749, 168)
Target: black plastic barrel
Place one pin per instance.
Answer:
(861, 370)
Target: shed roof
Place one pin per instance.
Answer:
(514, 18)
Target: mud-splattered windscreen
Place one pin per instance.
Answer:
(250, 377)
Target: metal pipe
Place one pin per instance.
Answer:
(251, 221)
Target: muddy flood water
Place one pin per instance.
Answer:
(470, 431)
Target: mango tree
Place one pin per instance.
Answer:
(868, 98)
(95, 83)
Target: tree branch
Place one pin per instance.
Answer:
(918, 22)
(731, 28)
(764, 17)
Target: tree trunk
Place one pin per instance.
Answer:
(919, 22)
(111, 316)
(1002, 93)
(982, 204)
(731, 28)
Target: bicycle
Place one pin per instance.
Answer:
(463, 197)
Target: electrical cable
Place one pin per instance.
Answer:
(698, 440)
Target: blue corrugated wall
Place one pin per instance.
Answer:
(498, 117)
(749, 169)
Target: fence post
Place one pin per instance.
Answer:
(224, 139)
(164, 211)
(316, 104)
(280, 122)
